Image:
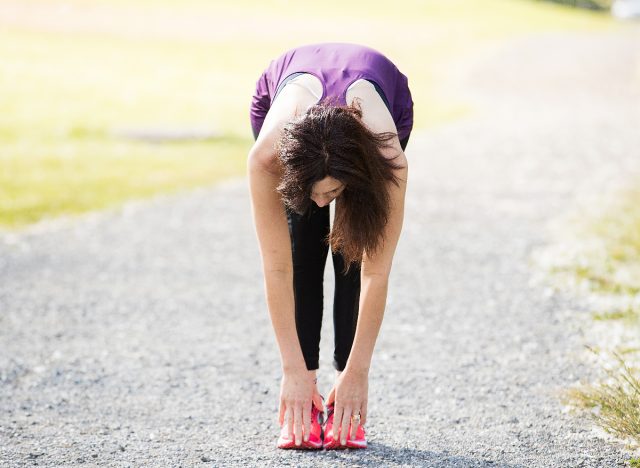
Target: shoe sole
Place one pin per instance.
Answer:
(287, 444)
(350, 444)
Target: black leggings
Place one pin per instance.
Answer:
(307, 232)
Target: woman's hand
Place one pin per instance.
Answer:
(298, 391)
(350, 395)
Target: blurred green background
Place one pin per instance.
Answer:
(76, 75)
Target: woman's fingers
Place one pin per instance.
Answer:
(288, 417)
(297, 417)
(317, 401)
(297, 423)
(332, 396)
(355, 422)
(344, 425)
(306, 421)
(337, 420)
(281, 413)
(363, 413)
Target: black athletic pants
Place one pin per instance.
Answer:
(307, 232)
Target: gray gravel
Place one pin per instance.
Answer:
(140, 336)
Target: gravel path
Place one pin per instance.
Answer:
(140, 337)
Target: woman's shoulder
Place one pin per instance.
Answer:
(309, 83)
(291, 102)
(375, 114)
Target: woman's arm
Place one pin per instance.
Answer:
(351, 391)
(375, 270)
(297, 388)
(352, 386)
(374, 277)
(271, 223)
(275, 247)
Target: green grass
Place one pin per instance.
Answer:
(614, 403)
(68, 86)
(610, 261)
(95, 173)
(619, 229)
(629, 314)
(609, 265)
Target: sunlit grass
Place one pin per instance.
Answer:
(628, 314)
(69, 85)
(606, 263)
(609, 262)
(82, 176)
(614, 403)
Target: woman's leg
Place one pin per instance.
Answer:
(309, 258)
(346, 303)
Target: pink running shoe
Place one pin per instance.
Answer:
(331, 442)
(315, 436)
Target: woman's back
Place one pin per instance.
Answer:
(337, 66)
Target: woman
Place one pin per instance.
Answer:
(337, 131)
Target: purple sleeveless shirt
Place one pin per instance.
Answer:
(337, 65)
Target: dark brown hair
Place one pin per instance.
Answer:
(331, 140)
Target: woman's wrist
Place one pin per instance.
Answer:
(294, 368)
(357, 369)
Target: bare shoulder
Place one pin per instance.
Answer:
(291, 102)
(375, 114)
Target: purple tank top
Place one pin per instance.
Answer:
(337, 65)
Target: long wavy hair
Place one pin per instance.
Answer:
(331, 140)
